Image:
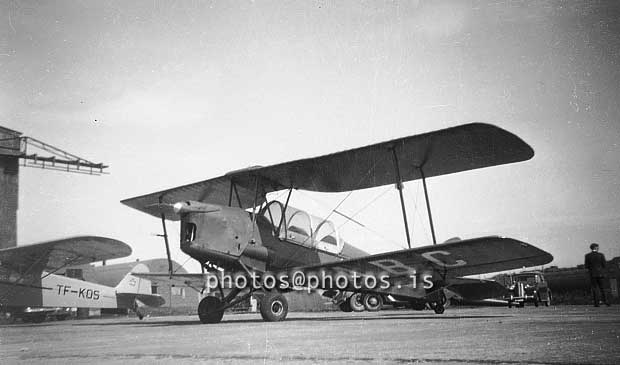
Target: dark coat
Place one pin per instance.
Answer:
(595, 263)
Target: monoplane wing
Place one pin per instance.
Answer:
(443, 262)
(447, 151)
(54, 255)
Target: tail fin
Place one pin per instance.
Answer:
(134, 292)
(134, 285)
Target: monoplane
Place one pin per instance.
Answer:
(30, 289)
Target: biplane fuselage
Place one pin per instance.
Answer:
(229, 237)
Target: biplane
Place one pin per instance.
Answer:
(29, 287)
(228, 224)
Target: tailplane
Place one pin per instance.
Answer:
(134, 292)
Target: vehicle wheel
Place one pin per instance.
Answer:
(345, 306)
(418, 306)
(356, 303)
(207, 310)
(372, 302)
(521, 304)
(273, 307)
(548, 301)
(509, 304)
(536, 299)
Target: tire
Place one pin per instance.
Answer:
(356, 303)
(207, 310)
(548, 301)
(439, 309)
(372, 302)
(273, 307)
(345, 306)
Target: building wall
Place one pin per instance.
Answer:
(9, 186)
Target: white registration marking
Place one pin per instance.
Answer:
(429, 256)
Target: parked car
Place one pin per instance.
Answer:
(528, 287)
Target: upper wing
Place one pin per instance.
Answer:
(53, 255)
(446, 151)
(214, 191)
(449, 260)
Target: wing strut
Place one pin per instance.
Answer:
(399, 186)
(290, 190)
(254, 212)
(165, 236)
(428, 205)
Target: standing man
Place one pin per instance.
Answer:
(595, 263)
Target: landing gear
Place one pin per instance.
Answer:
(209, 310)
(273, 307)
(417, 305)
(439, 306)
(345, 306)
(372, 302)
(356, 303)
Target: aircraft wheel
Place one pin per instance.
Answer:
(345, 306)
(372, 302)
(207, 310)
(273, 307)
(356, 303)
(439, 308)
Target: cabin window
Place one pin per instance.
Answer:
(273, 214)
(326, 232)
(190, 232)
(299, 227)
(327, 237)
(75, 273)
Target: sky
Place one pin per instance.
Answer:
(169, 93)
